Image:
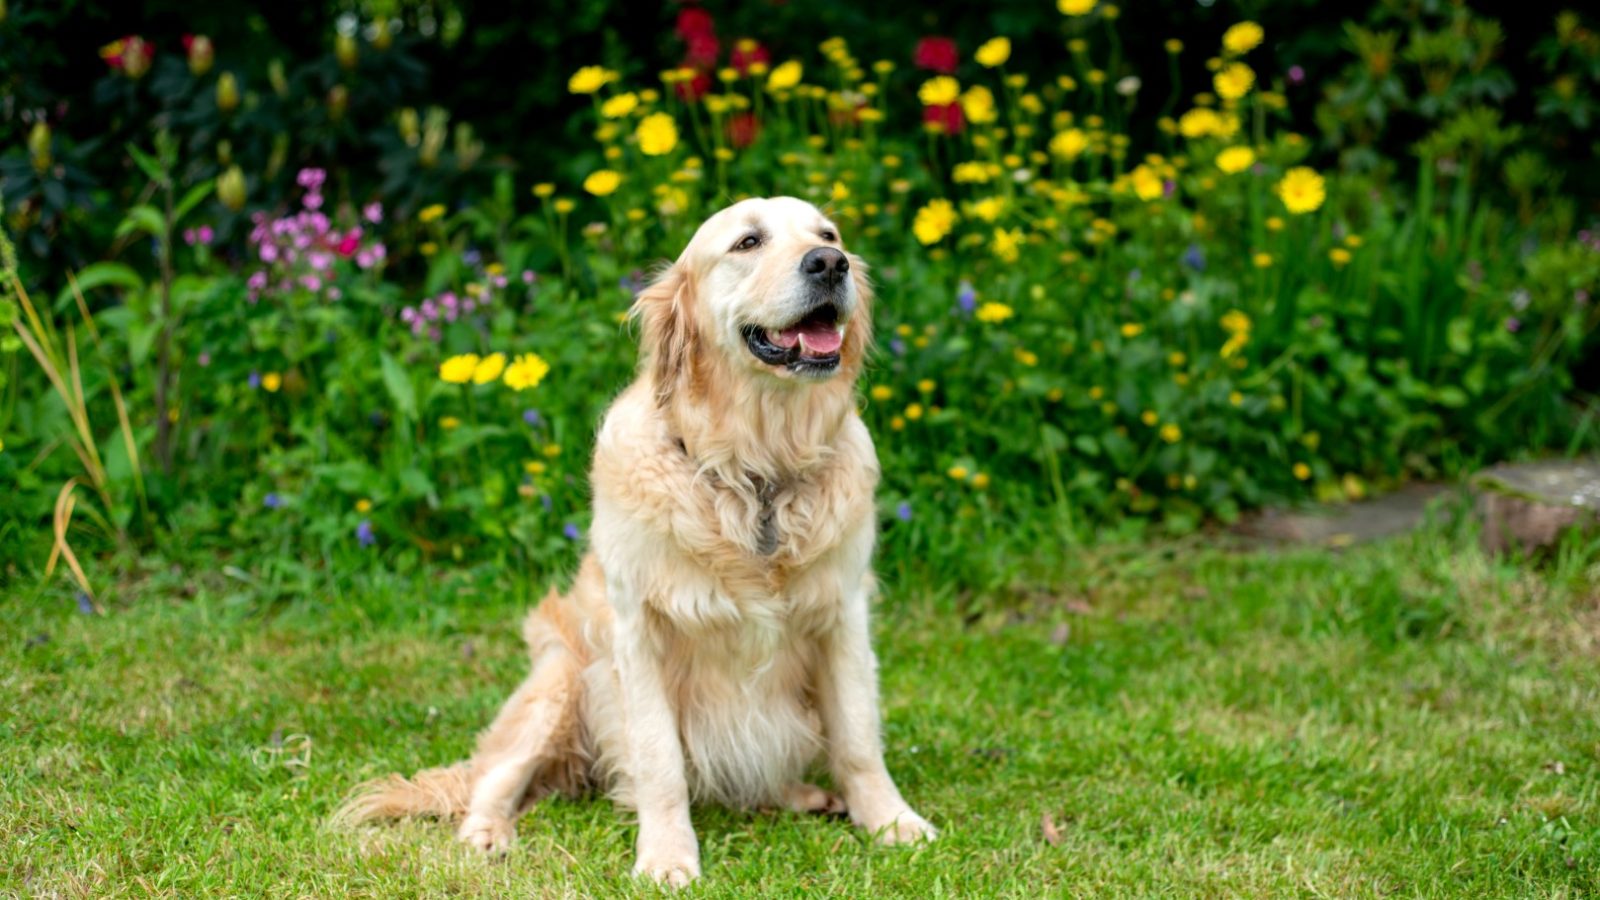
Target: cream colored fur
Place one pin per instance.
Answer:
(715, 641)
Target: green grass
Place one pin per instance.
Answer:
(1402, 719)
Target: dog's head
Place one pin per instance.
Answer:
(768, 285)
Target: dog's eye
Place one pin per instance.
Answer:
(749, 242)
(828, 236)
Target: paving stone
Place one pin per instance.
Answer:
(1530, 505)
(1346, 523)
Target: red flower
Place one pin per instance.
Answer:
(351, 242)
(703, 50)
(748, 52)
(946, 118)
(743, 129)
(937, 54)
(693, 21)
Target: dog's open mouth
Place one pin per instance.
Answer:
(810, 345)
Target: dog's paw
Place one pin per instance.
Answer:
(672, 872)
(808, 798)
(907, 828)
(490, 834)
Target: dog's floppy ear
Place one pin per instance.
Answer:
(667, 330)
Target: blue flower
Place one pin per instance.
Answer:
(272, 500)
(531, 416)
(255, 380)
(364, 534)
(903, 511)
(967, 297)
(548, 503)
(572, 532)
(85, 605)
(1194, 258)
(898, 346)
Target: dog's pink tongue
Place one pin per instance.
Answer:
(814, 340)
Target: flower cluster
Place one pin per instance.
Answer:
(300, 251)
(523, 372)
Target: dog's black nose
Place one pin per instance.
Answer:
(826, 265)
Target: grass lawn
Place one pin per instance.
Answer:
(1407, 718)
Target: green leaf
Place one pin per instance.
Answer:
(401, 390)
(148, 164)
(143, 218)
(192, 198)
(1451, 397)
(101, 274)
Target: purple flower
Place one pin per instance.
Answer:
(966, 297)
(572, 532)
(1513, 325)
(204, 359)
(898, 346)
(532, 417)
(545, 500)
(527, 276)
(311, 179)
(272, 500)
(364, 535)
(85, 605)
(373, 213)
(255, 380)
(903, 511)
(1195, 258)
(1296, 75)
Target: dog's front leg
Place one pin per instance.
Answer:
(667, 850)
(848, 698)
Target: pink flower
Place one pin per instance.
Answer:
(348, 244)
(373, 213)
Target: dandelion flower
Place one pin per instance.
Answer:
(914, 411)
(1075, 7)
(1234, 81)
(590, 79)
(940, 91)
(1302, 190)
(526, 371)
(1301, 471)
(1339, 256)
(1236, 159)
(994, 52)
(431, 213)
(449, 423)
(602, 182)
(271, 381)
(657, 134)
(978, 104)
(934, 221)
(993, 312)
(489, 368)
(458, 369)
(881, 392)
(620, 105)
(1242, 38)
(1147, 185)
(1262, 260)
(1007, 244)
(1132, 329)
(785, 76)
(1149, 417)
(1069, 144)
(1171, 433)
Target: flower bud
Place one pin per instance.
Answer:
(225, 152)
(347, 51)
(231, 188)
(201, 54)
(410, 127)
(382, 32)
(275, 77)
(136, 54)
(338, 102)
(227, 92)
(39, 147)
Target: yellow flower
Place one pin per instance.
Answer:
(1171, 433)
(1132, 329)
(934, 221)
(657, 134)
(1147, 184)
(1149, 418)
(1302, 471)
(1199, 122)
(564, 205)
(620, 105)
(978, 105)
(959, 473)
(271, 381)
(785, 76)
(589, 79)
(980, 481)
(1339, 256)
(428, 248)
(551, 451)
(1007, 244)
(449, 423)
(1302, 190)
(363, 505)
(1236, 159)
(458, 369)
(1075, 7)
(602, 182)
(993, 312)
(431, 213)
(970, 172)
(543, 189)
(526, 371)
(994, 52)
(1234, 81)
(940, 91)
(534, 467)
(1235, 398)
(489, 368)
(914, 411)
(1069, 144)
(898, 423)
(881, 392)
(926, 386)
(1352, 241)
(1274, 223)
(1262, 260)
(1174, 45)
(1242, 38)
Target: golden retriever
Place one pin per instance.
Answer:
(715, 640)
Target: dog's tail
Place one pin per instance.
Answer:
(442, 793)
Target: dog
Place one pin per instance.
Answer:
(715, 640)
